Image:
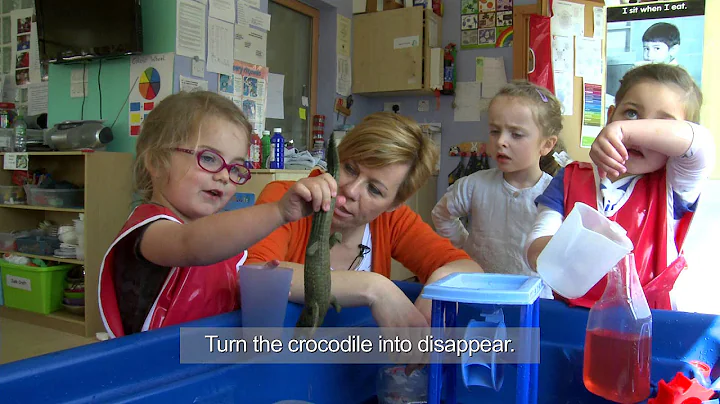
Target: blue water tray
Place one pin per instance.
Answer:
(483, 288)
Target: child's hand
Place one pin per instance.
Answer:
(608, 151)
(309, 195)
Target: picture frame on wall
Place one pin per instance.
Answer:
(653, 32)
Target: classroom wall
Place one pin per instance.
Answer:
(452, 132)
(159, 27)
(114, 78)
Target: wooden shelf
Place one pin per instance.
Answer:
(53, 153)
(45, 257)
(45, 208)
(60, 320)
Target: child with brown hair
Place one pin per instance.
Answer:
(176, 258)
(651, 162)
(525, 123)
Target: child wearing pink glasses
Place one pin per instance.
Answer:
(176, 258)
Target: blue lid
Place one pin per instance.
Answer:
(483, 288)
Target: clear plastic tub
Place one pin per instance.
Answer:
(7, 242)
(12, 195)
(56, 198)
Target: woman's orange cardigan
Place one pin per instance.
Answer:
(400, 234)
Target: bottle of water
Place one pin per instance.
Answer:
(20, 129)
(277, 150)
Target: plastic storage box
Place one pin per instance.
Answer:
(38, 245)
(12, 195)
(56, 198)
(484, 295)
(35, 289)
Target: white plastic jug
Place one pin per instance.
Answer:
(584, 249)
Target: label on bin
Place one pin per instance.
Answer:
(18, 282)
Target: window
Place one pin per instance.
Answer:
(292, 51)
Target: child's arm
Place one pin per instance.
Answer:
(551, 212)
(687, 173)
(546, 224)
(217, 237)
(446, 214)
(670, 137)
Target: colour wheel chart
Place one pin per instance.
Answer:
(151, 80)
(149, 83)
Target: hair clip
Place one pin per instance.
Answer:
(544, 98)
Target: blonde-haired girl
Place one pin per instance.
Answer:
(525, 123)
(176, 257)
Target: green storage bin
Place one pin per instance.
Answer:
(35, 289)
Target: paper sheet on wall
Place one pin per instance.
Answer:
(588, 59)
(479, 68)
(592, 113)
(251, 3)
(599, 22)
(223, 10)
(562, 53)
(37, 98)
(469, 105)
(568, 18)
(564, 86)
(275, 101)
(221, 36)
(247, 87)
(190, 84)
(494, 77)
(24, 55)
(250, 16)
(250, 45)
(344, 76)
(344, 32)
(191, 27)
(151, 80)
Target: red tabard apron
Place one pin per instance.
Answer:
(189, 293)
(645, 217)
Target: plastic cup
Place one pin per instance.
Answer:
(584, 249)
(264, 295)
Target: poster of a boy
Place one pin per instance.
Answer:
(661, 43)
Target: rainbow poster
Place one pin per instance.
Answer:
(592, 114)
(151, 80)
(486, 24)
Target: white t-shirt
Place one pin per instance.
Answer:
(366, 262)
(501, 217)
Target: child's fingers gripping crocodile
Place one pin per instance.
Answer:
(317, 260)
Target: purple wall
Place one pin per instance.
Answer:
(452, 132)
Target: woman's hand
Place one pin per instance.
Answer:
(394, 312)
(609, 151)
(308, 195)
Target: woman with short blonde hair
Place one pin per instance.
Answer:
(383, 161)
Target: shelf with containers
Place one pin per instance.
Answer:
(104, 204)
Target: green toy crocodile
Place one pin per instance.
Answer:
(317, 260)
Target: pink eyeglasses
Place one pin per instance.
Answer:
(212, 162)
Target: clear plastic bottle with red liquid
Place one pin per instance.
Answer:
(618, 340)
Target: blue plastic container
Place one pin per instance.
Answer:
(277, 150)
(487, 294)
(145, 368)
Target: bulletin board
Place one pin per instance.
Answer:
(572, 124)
